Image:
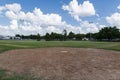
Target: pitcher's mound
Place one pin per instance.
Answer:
(64, 63)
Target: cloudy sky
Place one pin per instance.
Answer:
(41, 16)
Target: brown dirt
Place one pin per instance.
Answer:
(64, 63)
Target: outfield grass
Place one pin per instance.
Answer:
(21, 44)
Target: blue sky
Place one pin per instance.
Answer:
(102, 8)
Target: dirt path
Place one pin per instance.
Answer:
(64, 63)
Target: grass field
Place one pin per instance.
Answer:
(21, 44)
(6, 45)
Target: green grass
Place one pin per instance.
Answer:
(6, 45)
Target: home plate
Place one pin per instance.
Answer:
(64, 51)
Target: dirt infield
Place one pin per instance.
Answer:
(64, 63)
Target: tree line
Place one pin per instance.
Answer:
(105, 34)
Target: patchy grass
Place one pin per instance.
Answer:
(6, 75)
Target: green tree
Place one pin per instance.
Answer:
(38, 37)
(65, 34)
(17, 35)
(79, 36)
(53, 36)
(71, 35)
(108, 33)
(47, 37)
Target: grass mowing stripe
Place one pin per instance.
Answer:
(16, 44)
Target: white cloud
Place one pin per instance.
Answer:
(13, 7)
(1, 8)
(118, 7)
(114, 19)
(79, 10)
(11, 15)
(37, 22)
(14, 25)
(87, 27)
